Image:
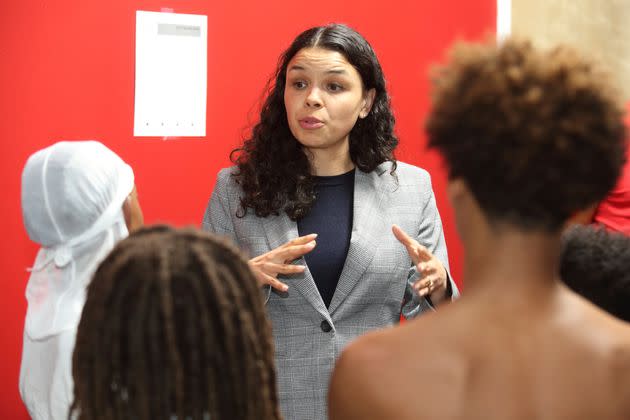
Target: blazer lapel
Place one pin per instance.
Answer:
(367, 226)
(279, 230)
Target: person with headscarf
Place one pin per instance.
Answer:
(78, 200)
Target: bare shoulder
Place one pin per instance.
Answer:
(379, 374)
(354, 393)
(606, 341)
(620, 353)
(348, 386)
(619, 358)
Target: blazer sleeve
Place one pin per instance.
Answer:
(217, 217)
(431, 235)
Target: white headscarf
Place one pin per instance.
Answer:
(72, 198)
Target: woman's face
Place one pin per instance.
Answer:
(324, 97)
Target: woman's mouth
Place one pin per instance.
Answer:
(310, 123)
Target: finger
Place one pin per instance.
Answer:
(274, 268)
(423, 252)
(295, 252)
(275, 283)
(402, 236)
(422, 284)
(421, 288)
(258, 258)
(432, 283)
(260, 276)
(300, 240)
(413, 246)
(274, 252)
(426, 268)
(408, 242)
(433, 270)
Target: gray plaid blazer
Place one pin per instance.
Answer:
(374, 288)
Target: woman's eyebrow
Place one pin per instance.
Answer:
(297, 67)
(337, 71)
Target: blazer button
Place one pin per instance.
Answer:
(325, 326)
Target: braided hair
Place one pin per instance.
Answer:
(174, 327)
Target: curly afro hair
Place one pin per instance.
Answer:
(596, 264)
(536, 135)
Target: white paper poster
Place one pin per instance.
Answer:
(504, 19)
(171, 74)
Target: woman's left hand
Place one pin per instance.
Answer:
(433, 278)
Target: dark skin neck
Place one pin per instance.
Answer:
(526, 262)
(500, 255)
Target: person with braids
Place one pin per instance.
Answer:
(78, 200)
(320, 167)
(532, 139)
(174, 327)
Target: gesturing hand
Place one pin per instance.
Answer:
(432, 272)
(268, 266)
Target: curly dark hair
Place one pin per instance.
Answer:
(174, 325)
(536, 135)
(596, 264)
(273, 170)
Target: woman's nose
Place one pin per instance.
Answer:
(313, 100)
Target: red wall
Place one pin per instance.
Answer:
(68, 73)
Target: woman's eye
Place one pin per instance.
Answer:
(299, 84)
(335, 87)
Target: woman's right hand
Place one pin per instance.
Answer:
(268, 266)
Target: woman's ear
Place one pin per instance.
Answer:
(368, 101)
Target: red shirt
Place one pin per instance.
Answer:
(614, 211)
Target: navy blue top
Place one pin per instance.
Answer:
(331, 218)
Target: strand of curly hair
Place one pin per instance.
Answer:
(174, 325)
